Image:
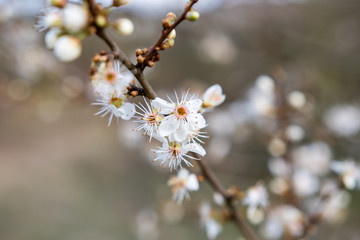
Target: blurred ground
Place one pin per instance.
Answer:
(65, 175)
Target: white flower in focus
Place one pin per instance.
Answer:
(172, 154)
(75, 17)
(149, 119)
(256, 197)
(182, 184)
(124, 26)
(314, 157)
(67, 48)
(348, 171)
(213, 96)
(213, 227)
(50, 17)
(51, 37)
(115, 106)
(343, 120)
(182, 117)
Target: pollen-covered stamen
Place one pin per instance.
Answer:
(152, 119)
(117, 102)
(110, 76)
(181, 112)
(174, 149)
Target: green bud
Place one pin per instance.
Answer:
(192, 16)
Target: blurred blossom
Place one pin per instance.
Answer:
(256, 199)
(49, 110)
(173, 212)
(279, 185)
(279, 167)
(336, 208)
(217, 122)
(348, 171)
(72, 86)
(295, 133)
(277, 147)
(67, 48)
(296, 99)
(265, 83)
(18, 90)
(343, 120)
(182, 184)
(314, 157)
(218, 48)
(147, 225)
(219, 148)
(284, 219)
(213, 228)
(304, 183)
(218, 199)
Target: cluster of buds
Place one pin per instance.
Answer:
(141, 56)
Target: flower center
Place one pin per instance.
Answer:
(110, 76)
(181, 112)
(174, 149)
(117, 102)
(152, 119)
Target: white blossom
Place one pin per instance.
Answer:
(50, 17)
(124, 26)
(51, 37)
(343, 120)
(75, 17)
(182, 116)
(149, 119)
(67, 48)
(182, 183)
(213, 228)
(348, 171)
(213, 96)
(172, 154)
(256, 197)
(305, 183)
(115, 106)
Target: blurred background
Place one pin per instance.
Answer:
(65, 175)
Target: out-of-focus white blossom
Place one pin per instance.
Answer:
(265, 83)
(213, 96)
(343, 120)
(147, 225)
(115, 106)
(296, 99)
(256, 197)
(75, 17)
(50, 17)
(172, 154)
(261, 96)
(305, 184)
(314, 157)
(67, 48)
(279, 167)
(218, 199)
(124, 26)
(51, 37)
(213, 228)
(279, 185)
(277, 147)
(182, 116)
(284, 219)
(295, 133)
(349, 172)
(182, 183)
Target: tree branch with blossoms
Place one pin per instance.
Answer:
(178, 123)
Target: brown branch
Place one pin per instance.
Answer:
(229, 199)
(119, 54)
(167, 31)
(150, 93)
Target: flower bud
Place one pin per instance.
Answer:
(75, 17)
(101, 21)
(58, 3)
(171, 17)
(168, 43)
(124, 26)
(172, 34)
(118, 3)
(67, 48)
(192, 16)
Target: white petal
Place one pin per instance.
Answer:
(183, 173)
(163, 106)
(192, 184)
(194, 105)
(127, 111)
(181, 133)
(195, 148)
(197, 121)
(168, 125)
